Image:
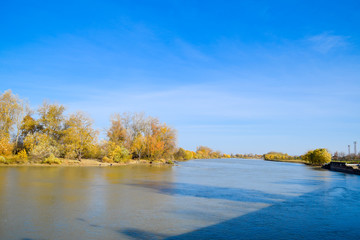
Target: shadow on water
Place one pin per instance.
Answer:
(302, 182)
(139, 234)
(212, 192)
(332, 213)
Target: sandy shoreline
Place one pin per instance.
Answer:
(83, 163)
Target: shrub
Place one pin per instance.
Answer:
(41, 146)
(117, 153)
(3, 159)
(120, 154)
(51, 160)
(107, 160)
(22, 157)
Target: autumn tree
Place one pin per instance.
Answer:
(317, 157)
(144, 136)
(180, 154)
(116, 152)
(28, 126)
(43, 137)
(52, 120)
(168, 136)
(117, 133)
(203, 152)
(8, 109)
(6, 147)
(79, 135)
(139, 145)
(217, 154)
(12, 110)
(40, 145)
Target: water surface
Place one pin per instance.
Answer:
(200, 199)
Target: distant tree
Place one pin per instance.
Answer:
(276, 156)
(180, 154)
(189, 155)
(216, 154)
(317, 157)
(336, 156)
(203, 152)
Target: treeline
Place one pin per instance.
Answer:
(46, 134)
(316, 157)
(248, 156)
(342, 157)
(279, 156)
(202, 152)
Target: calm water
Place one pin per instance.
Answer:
(202, 199)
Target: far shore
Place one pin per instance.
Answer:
(290, 161)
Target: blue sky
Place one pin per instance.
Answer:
(238, 76)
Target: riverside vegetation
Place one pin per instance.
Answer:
(315, 157)
(48, 135)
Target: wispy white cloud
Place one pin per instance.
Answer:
(326, 42)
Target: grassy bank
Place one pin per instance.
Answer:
(288, 160)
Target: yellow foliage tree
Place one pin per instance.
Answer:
(139, 145)
(117, 132)
(6, 147)
(317, 157)
(52, 120)
(79, 135)
(40, 145)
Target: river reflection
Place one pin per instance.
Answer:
(202, 199)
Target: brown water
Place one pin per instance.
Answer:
(202, 199)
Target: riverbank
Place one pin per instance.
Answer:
(87, 163)
(342, 167)
(290, 161)
(332, 166)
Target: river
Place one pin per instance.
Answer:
(198, 199)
